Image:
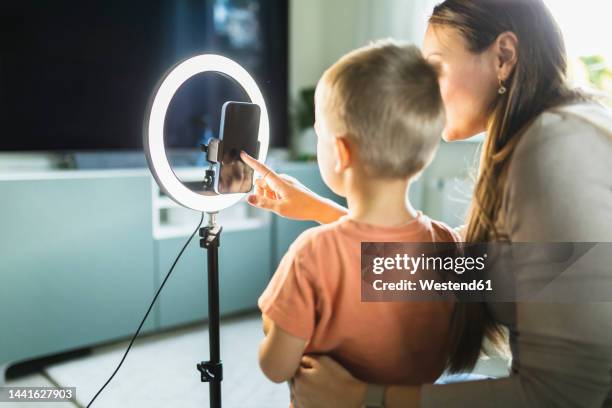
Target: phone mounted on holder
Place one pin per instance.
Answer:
(214, 154)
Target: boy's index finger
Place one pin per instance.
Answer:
(253, 163)
(259, 167)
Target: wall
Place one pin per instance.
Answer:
(323, 30)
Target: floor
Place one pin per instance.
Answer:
(160, 371)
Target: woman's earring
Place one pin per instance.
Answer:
(502, 89)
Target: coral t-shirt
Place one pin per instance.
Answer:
(315, 295)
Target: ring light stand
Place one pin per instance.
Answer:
(211, 371)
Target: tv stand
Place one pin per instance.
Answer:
(130, 159)
(111, 236)
(107, 160)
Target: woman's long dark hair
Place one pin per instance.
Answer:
(537, 83)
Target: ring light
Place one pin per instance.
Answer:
(154, 147)
(211, 371)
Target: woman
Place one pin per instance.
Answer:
(545, 175)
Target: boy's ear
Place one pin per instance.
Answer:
(343, 154)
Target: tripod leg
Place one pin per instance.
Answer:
(211, 371)
(213, 322)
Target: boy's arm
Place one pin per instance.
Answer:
(280, 352)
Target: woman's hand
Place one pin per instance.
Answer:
(287, 197)
(322, 382)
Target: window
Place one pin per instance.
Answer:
(587, 29)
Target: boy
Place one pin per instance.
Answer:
(379, 116)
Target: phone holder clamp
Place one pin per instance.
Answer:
(213, 150)
(210, 371)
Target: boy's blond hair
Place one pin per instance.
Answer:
(386, 98)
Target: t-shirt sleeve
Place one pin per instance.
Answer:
(290, 298)
(444, 233)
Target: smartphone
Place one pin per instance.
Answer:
(239, 130)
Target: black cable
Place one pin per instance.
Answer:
(148, 311)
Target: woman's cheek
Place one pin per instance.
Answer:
(464, 117)
(452, 109)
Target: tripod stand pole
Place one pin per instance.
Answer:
(212, 371)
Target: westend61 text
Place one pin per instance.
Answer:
(429, 285)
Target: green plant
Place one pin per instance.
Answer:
(598, 72)
(305, 109)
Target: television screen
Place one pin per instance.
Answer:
(77, 76)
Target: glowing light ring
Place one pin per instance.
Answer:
(154, 128)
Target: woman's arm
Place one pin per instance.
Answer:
(288, 198)
(322, 382)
